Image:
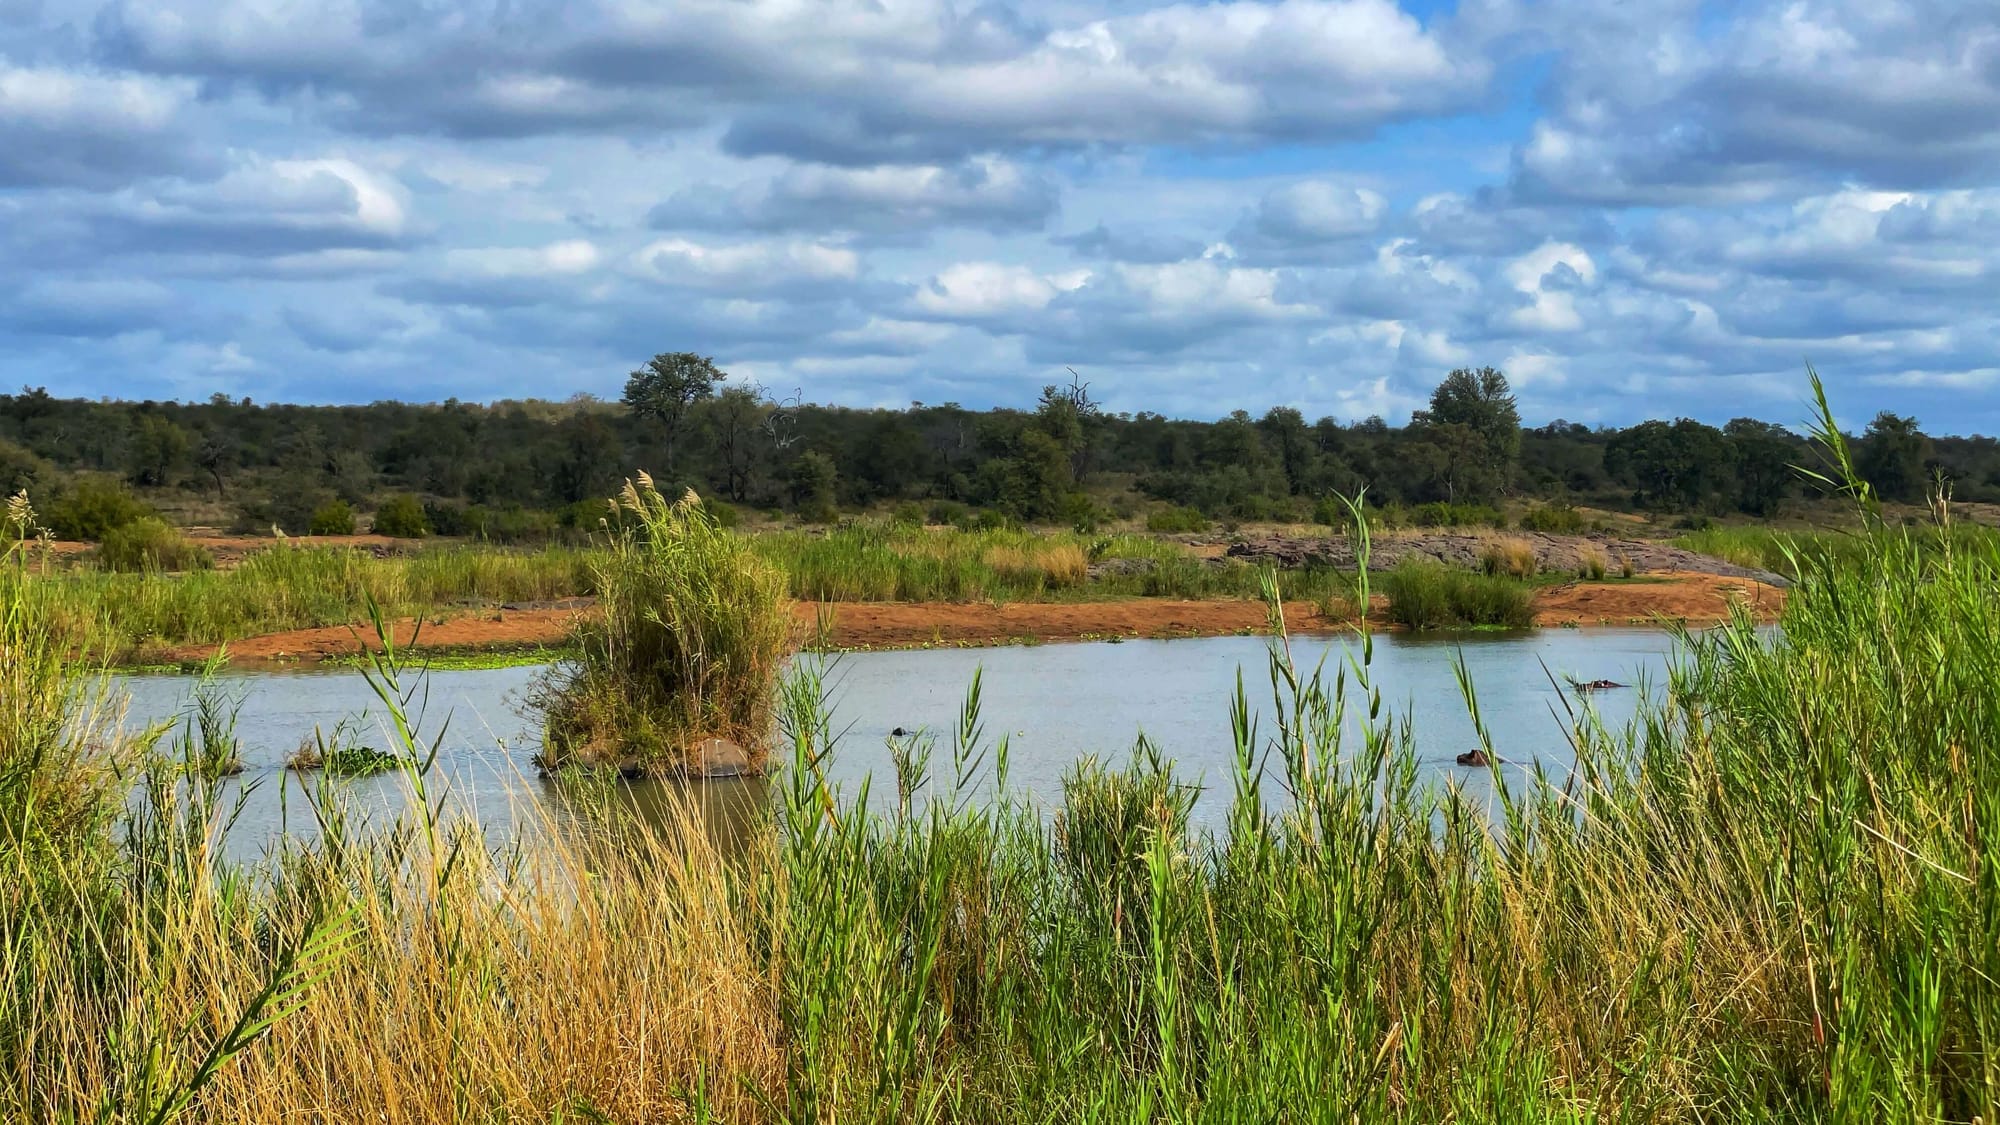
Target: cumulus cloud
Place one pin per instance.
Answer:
(978, 290)
(890, 201)
(1657, 105)
(79, 129)
(1208, 205)
(841, 81)
(741, 266)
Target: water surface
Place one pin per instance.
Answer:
(1053, 703)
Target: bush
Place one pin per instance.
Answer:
(727, 515)
(401, 517)
(693, 630)
(93, 509)
(334, 517)
(1176, 520)
(1428, 595)
(511, 524)
(1079, 513)
(949, 513)
(1514, 557)
(149, 543)
(908, 514)
(1554, 519)
(1440, 514)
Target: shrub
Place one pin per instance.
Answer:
(93, 509)
(908, 514)
(1079, 513)
(334, 517)
(1176, 520)
(1429, 595)
(949, 513)
(1513, 557)
(1440, 514)
(1554, 519)
(688, 646)
(21, 470)
(511, 524)
(149, 543)
(401, 517)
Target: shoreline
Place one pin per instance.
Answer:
(490, 638)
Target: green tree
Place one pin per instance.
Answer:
(1894, 454)
(1763, 456)
(1482, 456)
(738, 417)
(1071, 419)
(1285, 433)
(215, 457)
(1680, 464)
(158, 449)
(815, 487)
(666, 387)
(586, 459)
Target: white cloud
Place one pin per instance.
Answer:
(1550, 309)
(73, 128)
(568, 257)
(972, 290)
(678, 261)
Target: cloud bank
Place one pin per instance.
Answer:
(1638, 210)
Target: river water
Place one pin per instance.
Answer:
(1053, 703)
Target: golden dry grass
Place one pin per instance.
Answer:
(1054, 564)
(1509, 555)
(611, 977)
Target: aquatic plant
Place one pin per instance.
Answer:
(686, 649)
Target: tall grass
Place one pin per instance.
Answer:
(129, 615)
(1775, 896)
(878, 563)
(1429, 595)
(687, 647)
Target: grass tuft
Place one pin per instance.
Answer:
(686, 649)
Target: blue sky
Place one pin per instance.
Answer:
(1642, 210)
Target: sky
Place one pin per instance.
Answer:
(1649, 209)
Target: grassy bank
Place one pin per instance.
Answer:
(1776, 897)
(135, 616)
(1781, 551)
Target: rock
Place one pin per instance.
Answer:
(718, 757)
(1476, 757)
(899, 732)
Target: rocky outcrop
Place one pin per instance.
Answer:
(1464, 548)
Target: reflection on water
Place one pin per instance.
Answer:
(1053, 703)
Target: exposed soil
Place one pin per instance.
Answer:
(1697, 599)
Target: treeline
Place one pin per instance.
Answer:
(516, 469)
